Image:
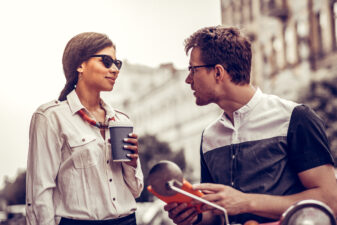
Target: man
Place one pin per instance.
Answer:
(264, 153)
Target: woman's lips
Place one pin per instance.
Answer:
(111, 79)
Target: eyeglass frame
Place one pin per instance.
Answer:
(116, 62)
(192, 68)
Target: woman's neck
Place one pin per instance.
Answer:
(89, 99)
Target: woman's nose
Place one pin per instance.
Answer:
(113, 69)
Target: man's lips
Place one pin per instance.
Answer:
(193, 90)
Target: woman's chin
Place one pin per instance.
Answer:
(110, 88)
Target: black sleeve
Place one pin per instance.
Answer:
(307, 141)
(205, 174)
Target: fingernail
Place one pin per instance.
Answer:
(125, 146)
(130, 135)
(125, 139)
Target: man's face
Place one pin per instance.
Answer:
(201, 79)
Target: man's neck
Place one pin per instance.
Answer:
(235, 98)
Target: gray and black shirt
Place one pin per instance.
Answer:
(270, 142)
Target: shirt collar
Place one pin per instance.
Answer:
(110, 112)
(76, 105)
(252, 102)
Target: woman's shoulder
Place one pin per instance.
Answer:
(52, 105)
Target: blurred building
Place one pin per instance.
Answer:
(293, 42)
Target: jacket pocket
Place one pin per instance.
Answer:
(84, 152)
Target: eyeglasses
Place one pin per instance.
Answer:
(192, 68)
(108, 61)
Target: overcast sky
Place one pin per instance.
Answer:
(35, 32)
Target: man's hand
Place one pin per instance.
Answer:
(234, 201)
(181, 214)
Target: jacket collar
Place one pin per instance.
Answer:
(75, 104)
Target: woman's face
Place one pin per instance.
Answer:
(95, 76)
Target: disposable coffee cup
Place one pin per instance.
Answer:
(118, 131)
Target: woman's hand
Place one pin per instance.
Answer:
(133, 140)
(181, 214)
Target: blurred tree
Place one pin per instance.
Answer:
(151, 152)
(15, 192)
(322, 98)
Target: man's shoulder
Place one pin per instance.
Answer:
(275, 100)
(303, 110)
(303, 114)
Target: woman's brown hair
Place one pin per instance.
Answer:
(78, 50)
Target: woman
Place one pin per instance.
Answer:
(71, 178)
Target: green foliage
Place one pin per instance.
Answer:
(322, 98)
(151, 151)
(15, 192)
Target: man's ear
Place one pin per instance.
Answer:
(219, 72)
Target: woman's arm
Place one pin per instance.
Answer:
(44, 158)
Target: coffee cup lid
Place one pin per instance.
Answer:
(125, 123)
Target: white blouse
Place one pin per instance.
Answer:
(70, 172)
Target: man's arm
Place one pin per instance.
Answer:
(320, 184)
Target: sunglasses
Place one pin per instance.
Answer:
(108, 61)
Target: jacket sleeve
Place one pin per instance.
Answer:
(134, 178)
(44, 157)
